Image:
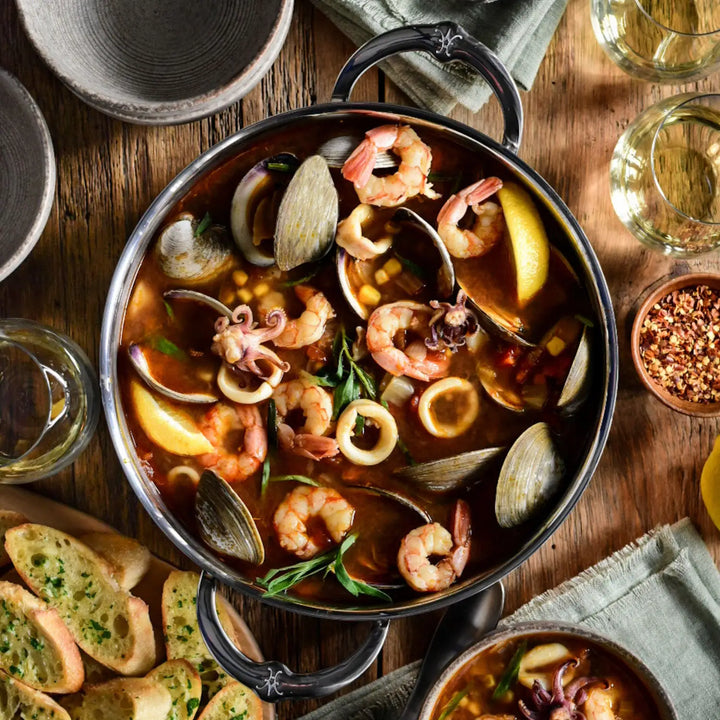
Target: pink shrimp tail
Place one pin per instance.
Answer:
(482, 190)
(315, 447)
(359, 166)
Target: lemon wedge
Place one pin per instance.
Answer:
(167, 426)
(529, 241)
(710, 483)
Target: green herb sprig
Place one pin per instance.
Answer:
(280, 580)
(511, 672)
(203, 225)
(453, 702)
(167, 347)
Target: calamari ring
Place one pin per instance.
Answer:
(346, 428)
(467, 410)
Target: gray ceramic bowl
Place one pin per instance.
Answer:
(27, 173)
(665, 709)
(158, 61)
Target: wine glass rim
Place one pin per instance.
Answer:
(6, 460)
(672, 30)
(671, 111)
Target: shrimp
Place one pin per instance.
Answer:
(417, 360)
(317, 407)
(350, 234)
(488, 228)
(598, 705)
(421, 543)
(220, 424)
(303, 504)
(408, 181)
(310, 326)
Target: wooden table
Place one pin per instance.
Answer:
(108, 172)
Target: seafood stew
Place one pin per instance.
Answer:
(540, 676)
(357, 422)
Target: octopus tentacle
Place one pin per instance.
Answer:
(275, 322)
(527, 712)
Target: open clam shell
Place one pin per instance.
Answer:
(257, 187)
(397, 497)
(308, 215)
(338, 149)
(529, 477)
(453, 473)
(503, 395)
(202, 298)
(224, 521)
(496, 322)
(140, 362)
(185, 254)
(578, 381)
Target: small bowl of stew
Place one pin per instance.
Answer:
(533, 668)
(675, 343)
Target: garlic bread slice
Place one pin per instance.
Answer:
(20, 702)
(233, 701)
(121, 699)
(184, 686)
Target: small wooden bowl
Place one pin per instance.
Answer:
(678, 283)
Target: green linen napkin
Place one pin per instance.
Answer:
(659, 597)
(519, 31)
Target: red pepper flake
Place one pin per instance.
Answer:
(680, 343)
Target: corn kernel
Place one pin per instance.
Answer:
(381, 277)
(240, 277)
(368, 295)
(245, 295)
(227, 296)
(261, 289)
(392, 267)
(555, 346)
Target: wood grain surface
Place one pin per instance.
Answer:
(108, 172)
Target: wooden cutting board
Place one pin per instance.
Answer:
(41, 510)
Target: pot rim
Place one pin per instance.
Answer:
(628, 658)
(118, 295)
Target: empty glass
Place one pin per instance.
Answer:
(665, 175)
(660, 40)
(48, 401)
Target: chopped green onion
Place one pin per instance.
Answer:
(585, 320)
(437, 177)
(169, 310)
(304, 279)
(203, 225)
(166, 347)
(304, 479)
(265, 476)
(279, 166)
(511, 672)
(359, 424)
(272, 425)
(404, 450)
(413, 267)
(453, 703)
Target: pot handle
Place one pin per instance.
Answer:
(446, 42)
(272, 680)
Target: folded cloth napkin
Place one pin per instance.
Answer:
(659, 597)
(518, 31)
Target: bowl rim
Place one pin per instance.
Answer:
(657, 292)
(47, 197)
(620, 652)
(176, 111)
(126, 269)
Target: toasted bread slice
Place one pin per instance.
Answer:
(20, 702)
(8, 519)
(129, 559)
(233, 701)
(96, 672)
(121, 699)
(108, 623)
(182, 634)
(35, 645)
(184, 686)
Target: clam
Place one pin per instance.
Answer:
(307, 217)
(185, 254)
(577, 383)
(453, 473)
(397, 497)
(338, 149)
(224, 521)
(254, 206)
(502, 394)
(142, 366)
(445, 280)
(529, 477)
(498, 322)
(202, 298)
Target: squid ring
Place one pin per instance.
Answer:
(346, 428)
(464, 398)
(231, 389)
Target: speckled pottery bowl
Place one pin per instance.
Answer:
(27, 173)
(158, 62)
(631, 663)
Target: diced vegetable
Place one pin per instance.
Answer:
(393, 267)
(398, 391)
(261, 289)
(245, 295)
(368, 295)
(240, 277)
(381, 276)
